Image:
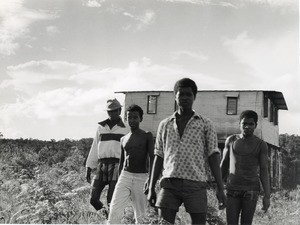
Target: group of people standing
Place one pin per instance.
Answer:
(185, 152)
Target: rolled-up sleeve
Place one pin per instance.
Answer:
(158, 149)
(211, 139)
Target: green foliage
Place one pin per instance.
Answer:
(290, 148)
(284, 209)
(44, 182)
(291, 143)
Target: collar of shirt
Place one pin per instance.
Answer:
(195, 116)
(105, 122)
(185, 157)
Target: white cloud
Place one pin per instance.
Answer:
(87, 92)
(15, 21)
(55, 103)
(9, 111)
(237, 3)
(147, 18)
(276, 3)
(143, 75)
(262, 54)
(196, 56)
(142, 21)
(37, 76)
(93, 3)
(202, 2)
(51, 110)
(128, 14)
(48, 49)
(289, 121)
(115, 9)
(88, 89)
(52, 30)
(273, 61)
(206, 2)
(66, 102)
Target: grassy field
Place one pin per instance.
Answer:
(37, 190)
(58, 196)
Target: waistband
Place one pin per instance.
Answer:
(182, 181)
(134, 175)
(109, 160)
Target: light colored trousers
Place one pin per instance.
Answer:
(129, 189)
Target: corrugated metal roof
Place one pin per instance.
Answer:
(278, 99)
(276, 96)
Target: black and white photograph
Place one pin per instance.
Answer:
(149, 112)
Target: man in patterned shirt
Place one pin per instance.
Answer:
(186, 146)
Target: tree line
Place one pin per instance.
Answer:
(290, 150)
(29, 153)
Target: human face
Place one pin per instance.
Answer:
(133, 119)
(184, 97)
(114, 114)
(247, 126)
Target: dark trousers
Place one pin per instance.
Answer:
(97, 188)
(107, 174)
(241, 204)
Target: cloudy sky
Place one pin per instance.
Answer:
(61, 59)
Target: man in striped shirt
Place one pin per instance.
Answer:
(105, 154)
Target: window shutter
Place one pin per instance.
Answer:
(231, 105)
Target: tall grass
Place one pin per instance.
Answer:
(36, 193)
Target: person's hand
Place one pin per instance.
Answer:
(151, 197)
(146, 187)
(88, 174)
(222, 199)
(266, 203)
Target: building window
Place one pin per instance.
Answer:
(271, 118)
(275, 116)
(232, 105)
(152, 104)
(266, 106)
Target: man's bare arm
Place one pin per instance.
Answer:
(150, 147)
(156, 171)
(225, 161)
(264, 175)
(122, 158)
(214, 163)
(150, 151)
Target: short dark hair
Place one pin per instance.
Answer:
(135, 108)
(249, 114)
(186, 82)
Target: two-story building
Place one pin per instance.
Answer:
(223, 108)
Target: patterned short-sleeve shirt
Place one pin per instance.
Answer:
(186, 157)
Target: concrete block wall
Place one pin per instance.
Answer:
(214, 106)
(211, 104)
(165, 107)
(270, 132)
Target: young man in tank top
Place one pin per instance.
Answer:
(245, 165)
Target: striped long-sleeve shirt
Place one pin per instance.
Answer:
(106, 143)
